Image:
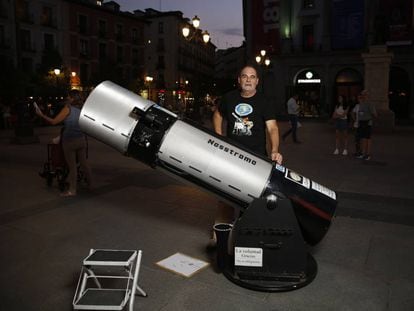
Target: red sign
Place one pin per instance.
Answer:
(265, 25)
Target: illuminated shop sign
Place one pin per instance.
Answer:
(309, 78)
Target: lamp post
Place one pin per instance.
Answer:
(186, 31)
(57, 73)
(264, 63)
(193, 33)
(149, 79)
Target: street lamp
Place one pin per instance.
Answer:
(262, 61)
(149, 79)
(186, 31)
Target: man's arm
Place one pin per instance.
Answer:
(273, 131)
(218, 122)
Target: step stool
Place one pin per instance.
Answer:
(108, 266)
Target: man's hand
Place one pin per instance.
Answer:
(277, 157)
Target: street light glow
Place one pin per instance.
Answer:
(206, 36)
(258, 59)
(196, 21)
(186, 31)
(56, 71)
(263, 53)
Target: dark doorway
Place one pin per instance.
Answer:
(399, 93)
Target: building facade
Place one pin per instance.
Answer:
(181, 69)
(227, 65)
(88, 41)
(319, 48)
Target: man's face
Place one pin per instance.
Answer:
(248, 79)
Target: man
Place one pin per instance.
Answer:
(293, 112)
(248, 117)
(366, 114)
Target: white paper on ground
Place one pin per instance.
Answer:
(182, 264)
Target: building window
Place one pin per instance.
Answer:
(102, 28)
(83, 24)
(46, 19)
(135, 59)
(134, 35)
(160, 27)
(119, 53)
(48, 41)
(83, 47)
(160, 46)
(118, 32)
(308, 4)
(308, 38)
(3, 9)
(2, 36)
(23, 12)
(27, 65)
(84, 72)
(26, 41)
(102, 51)
(161, 64)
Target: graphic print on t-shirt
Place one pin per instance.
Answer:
(242, 124)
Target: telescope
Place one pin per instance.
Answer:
(282, 213)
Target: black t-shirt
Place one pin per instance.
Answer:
(246, 119)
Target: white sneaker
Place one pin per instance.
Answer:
(345, 152)
(336, 151)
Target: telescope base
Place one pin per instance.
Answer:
(265, 250)
(276, 283)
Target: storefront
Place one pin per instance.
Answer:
(308, 86)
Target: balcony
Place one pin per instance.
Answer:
(119, 37)
(28, 47)
(26, 18)
(5, 44)
(82, 29)
(135, 40)
(102, 33)
(84, 54)
(4, 13)
(160, 65)
(49, 22)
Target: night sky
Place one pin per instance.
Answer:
(221, 18)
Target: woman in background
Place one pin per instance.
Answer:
(340, 115)
(73, 140)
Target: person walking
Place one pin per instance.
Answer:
(340, 115)
(355, 125)
(249, 116)
(366, 114)
(293, 113)
(73, 140)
